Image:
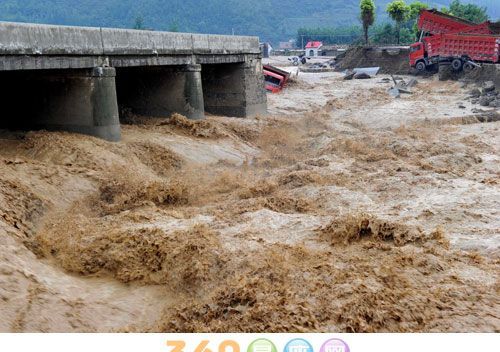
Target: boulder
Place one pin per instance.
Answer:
(475, 93)
(349, 76)
(488, 86)
(411, 83)
(362, 75)
(495, 103)
(485, 100)
(394, 92)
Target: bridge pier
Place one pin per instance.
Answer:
(235, 89)
(82, 101)
(162, 90)
(76, 78)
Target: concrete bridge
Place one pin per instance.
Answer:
(78, 79)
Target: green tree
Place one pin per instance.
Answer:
(398, 11)
(470, 12)
(367, 15)
(414, 11)
(383, 34)
(139, 23)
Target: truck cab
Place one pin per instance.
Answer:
(417, 56)
(274, 81)
(275, 78)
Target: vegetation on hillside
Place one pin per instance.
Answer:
(471, 12)
(402, 29)
(272, 20)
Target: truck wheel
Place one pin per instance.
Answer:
(420, 66)
(468, 67)
(456, 64)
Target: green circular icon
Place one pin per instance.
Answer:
(262, 345)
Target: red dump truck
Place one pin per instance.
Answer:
(275, 78)
(451, 40)
(434, 22)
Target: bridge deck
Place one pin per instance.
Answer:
(33, 46)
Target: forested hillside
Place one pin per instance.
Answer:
(270, 19)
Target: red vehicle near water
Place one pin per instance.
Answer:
(275, 78)
(454, 41)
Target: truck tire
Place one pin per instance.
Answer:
(456, 64)
(420, 66)
(468, 67)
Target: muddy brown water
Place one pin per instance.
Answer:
(327, 215)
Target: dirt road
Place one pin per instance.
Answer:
(344, 210)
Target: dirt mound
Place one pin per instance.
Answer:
(390, 60)
(487, 72)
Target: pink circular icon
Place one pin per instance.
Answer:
(334, 345)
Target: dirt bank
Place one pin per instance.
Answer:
(487, 72)
(391, 60)
(327, 215)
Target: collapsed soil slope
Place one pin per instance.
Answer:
(391, 60)
(325, 216)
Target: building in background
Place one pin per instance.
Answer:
(333, 50)
(266, 49)
(313, 47)
(289, 45)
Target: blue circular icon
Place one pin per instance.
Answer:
(298, 345)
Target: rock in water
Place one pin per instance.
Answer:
(362, 75)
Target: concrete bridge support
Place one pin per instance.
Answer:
(235, 89)
(82, 101)
(162, 90)
(76, 78)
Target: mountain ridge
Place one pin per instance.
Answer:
(271, 20)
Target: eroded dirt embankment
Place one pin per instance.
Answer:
(301, 221)
(391, 60)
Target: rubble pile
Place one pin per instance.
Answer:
(486, 95)
(327, 64)
(361, 73)
(400, 86)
